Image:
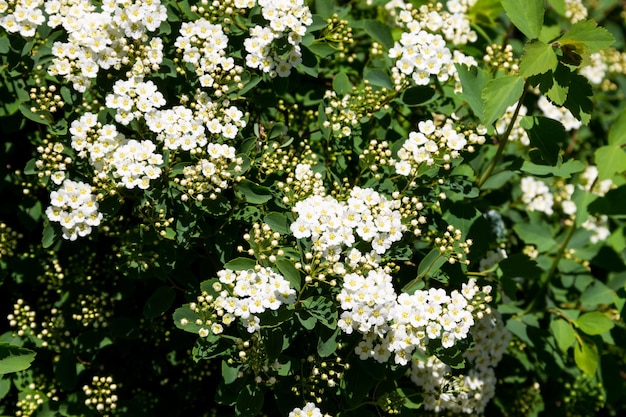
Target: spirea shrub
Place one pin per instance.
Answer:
(312, 208)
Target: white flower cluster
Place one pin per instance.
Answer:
(399, 324)
(422, 51)
(251, 292)
(518, 133)
(75, 208)
(468, 393)
(219, 118)
(286, 18)
(203, 45)
(25, 19)
(434, 144)
(309, 410)
(212, 174)
(537, 195)
(575, 10)
(589, 179)
(177, 128)
(332, 224)
(102, 39)
(133, 98)
(596, 70)
(560, 114)
(135, 163)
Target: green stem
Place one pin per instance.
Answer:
(503, 140)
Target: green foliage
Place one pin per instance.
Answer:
(351, 210)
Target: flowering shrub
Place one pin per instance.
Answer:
(312, 208)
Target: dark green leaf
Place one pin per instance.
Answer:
(612, 203)
(473, 81)
(323, 309)
(249, 401)
(380, 32)
(240, 264)
(291, 274)
(159, 302)
(545, 135)
(341, 84)
(254, 193)
(416, 96)
(49, 235)
(563, 333)
(535, 233)
(378, 78)
(597, 294)
(278, 222)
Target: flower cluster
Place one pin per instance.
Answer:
(104, 39)
(560, 114)
(537, 195)
(468, 393)
(101, 394)
(518, 133)
(211, 174)
(247, 294)
(331, 224)
(309, 410)
(75, 208)
(433, 144)
(203, 45)
(131, 99)
(422, 51)
(135, 163)
(399, 324)
(177, 128)
(26, 16)
(286, 19)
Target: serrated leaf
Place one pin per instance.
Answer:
(526, 15)
(557, 94)
(610, 160)
(498, 95)
(14, 358)
(563, 333)
(586, 357)
(594, 323)
(240, 264)
(537, 58)
(588, 32)
(545, 134)
(380, 32)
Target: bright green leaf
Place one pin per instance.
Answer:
(617, 133)
(597, 294)
(563, 333)
(590, 34)
(240, 264)
(586, 357)
(537, 58)
(594, 323)
(473, 81)
(14, 358)
(498, 95)
(610, 160)
(526, 15)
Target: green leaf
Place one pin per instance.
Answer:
(321, 49)
(610, 160)
(42, 117)
(185, 319)
(526, 15)
(341, 84)
(65, 370)
(431, 263)
(473, 81)
(323, 309)
(558, 6)
(378, 78)
(290, 273)
(159, 302)
(416, 96)
(277, 222)
(597, 294)
(561, 170)
(617, 133)
(498, 95)
(229, 373)
(545, 135)
(14, 358)
(327, 343)
(49, 235)
(587, 32)
(535, 233)
(537, 58)
(240, 264)
(586, 357)
(253, 193)
(612, 203)
(563, 333)
(594, 323)
(380, 32)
